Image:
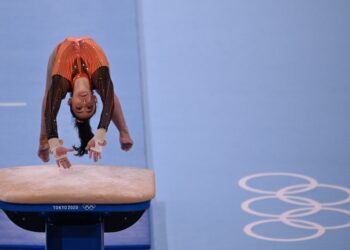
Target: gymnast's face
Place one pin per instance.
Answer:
(83, 105)
(82, 102)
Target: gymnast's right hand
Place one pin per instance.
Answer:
(61, 157)
(60, 152)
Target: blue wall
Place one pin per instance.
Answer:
(240, 87)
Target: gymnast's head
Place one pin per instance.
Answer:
(82, 106)
(82, 102)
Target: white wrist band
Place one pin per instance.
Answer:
(54, 143)
(99, 139)
(100, 134)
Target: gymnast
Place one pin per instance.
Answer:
(79, 66)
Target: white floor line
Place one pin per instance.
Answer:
(13, 104)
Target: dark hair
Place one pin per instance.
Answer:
(84, 132)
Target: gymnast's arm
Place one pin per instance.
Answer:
(57, 91)
(43, 151)
(103, 85)
(111, 106)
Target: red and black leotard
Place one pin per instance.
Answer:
(75, 57)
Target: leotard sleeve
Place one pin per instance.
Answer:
(102, 83)
(58, 91)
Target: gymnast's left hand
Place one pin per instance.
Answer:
(95, 149)
(95, 145)
(61, 157)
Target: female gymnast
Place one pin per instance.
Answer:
(79, 66)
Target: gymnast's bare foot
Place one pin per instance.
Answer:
(43, 153)
(125, 141)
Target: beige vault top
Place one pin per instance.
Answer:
(80, 184)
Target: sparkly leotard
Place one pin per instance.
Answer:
(76, 57)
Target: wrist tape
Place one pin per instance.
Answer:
(55, 143)
(99, 139)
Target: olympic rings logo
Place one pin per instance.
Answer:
(292, 217)
(89, 207)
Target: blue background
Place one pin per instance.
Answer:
(241, 87)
